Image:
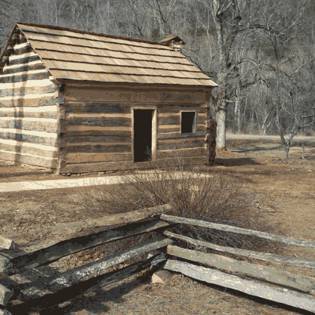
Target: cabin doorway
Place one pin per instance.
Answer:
(143, 134)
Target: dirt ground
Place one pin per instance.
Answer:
(281, 192)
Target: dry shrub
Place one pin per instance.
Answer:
(191, 193)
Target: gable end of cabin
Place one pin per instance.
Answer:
(29, 106)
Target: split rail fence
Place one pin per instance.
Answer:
(28, 282)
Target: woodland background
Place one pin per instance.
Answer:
(260, 52)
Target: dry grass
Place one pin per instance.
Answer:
(191, 193)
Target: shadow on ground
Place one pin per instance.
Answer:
(236, 161)
(255, 149)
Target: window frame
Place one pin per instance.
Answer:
(194, 126)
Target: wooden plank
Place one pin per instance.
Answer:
(51, 48)
(97, 107)
(19, 66)
(22, 48)
(125, 165)
(191, 138)
(175, 72)
(79, 168)
(94, 148)
(24, 76)
(100, 121)
(23, 136)
(97, 116)
(91, 270)
(104, 281)
(297, 262)
(176, 108)
(44, 124)
(249, 287)
(111, 132)
(88, 130)
(92, 59)
(180, 144)
(76, 244)
(84, 44)
(92, 36)
(134, 95)
(13, 57)
(36, 160)
(28, 149)
(34, 100)
(178, 135)
(29, 112)
(28, 90)
(106, 142)
(78, 139)
(169, 120)
(73, 158)
(243, 268)
(24, 68)
(238, 230)
(27, 84)
(24, 59)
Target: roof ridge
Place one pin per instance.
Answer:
(61, 28)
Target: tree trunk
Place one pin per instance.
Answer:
(237, 115)
(221, 128)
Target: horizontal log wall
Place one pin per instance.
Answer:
(28, 110)
(97, 132)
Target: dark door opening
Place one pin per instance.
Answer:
(142, 135)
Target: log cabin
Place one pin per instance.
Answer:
(77, 102)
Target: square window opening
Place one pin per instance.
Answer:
(188, 122)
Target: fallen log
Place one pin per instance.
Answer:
(88, 271)
(297, 262)
(76, 244)
(250, 287)
(243, 268)
(238, 230)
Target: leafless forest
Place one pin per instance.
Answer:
(260, 52)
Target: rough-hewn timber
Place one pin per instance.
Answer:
(243, 268)
(250, 287)
(238, 230)
(269, 257)
(79, 243)
(98, 125)
(29, 120)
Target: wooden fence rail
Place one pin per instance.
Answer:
(269, 283)
(76, 244)
(251, 278)
(250, 287)
(47, 290)
(244, 268)
(269, 257)
(238, 230)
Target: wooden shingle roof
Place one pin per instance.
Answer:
(76, 55)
